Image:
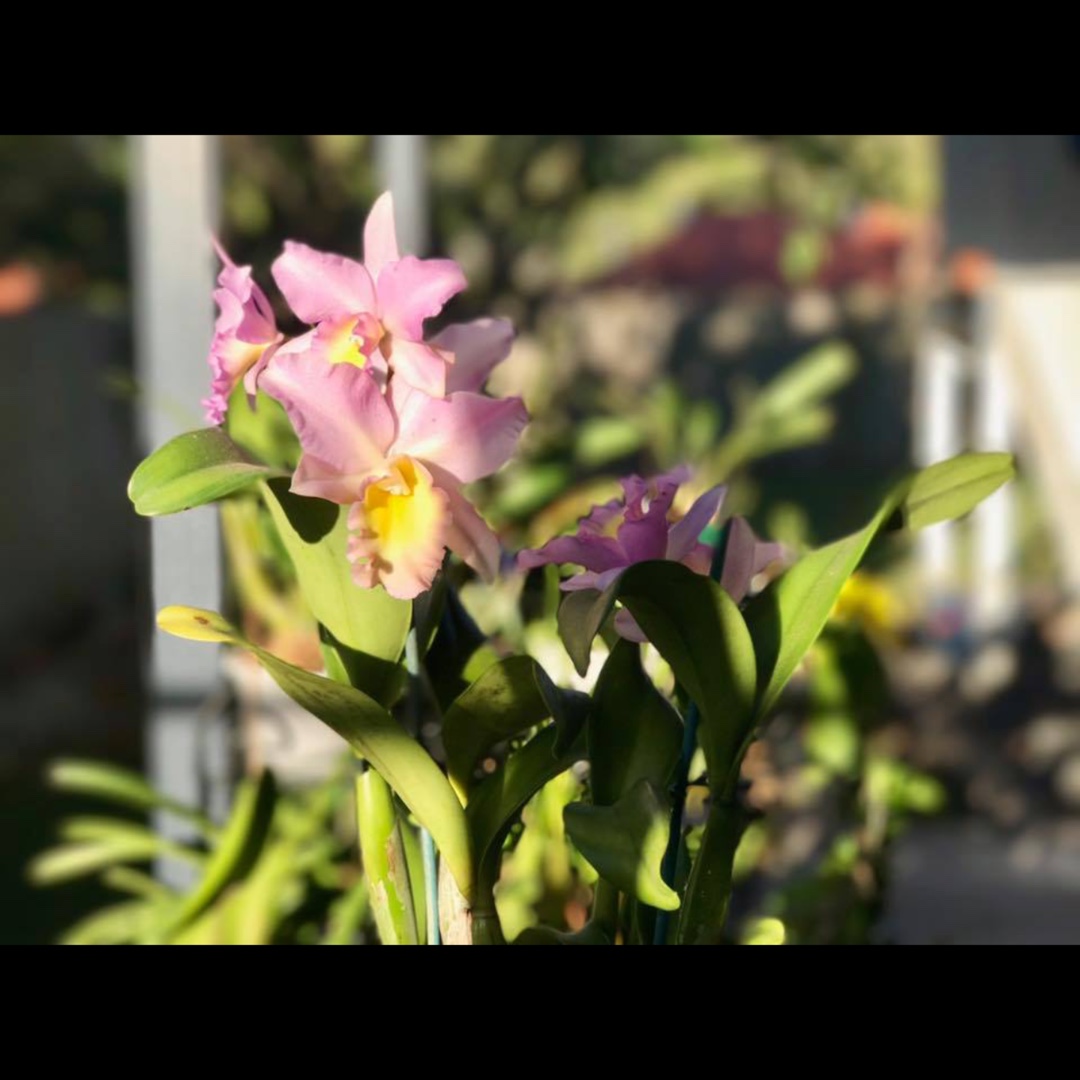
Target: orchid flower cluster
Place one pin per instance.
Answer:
(394, 426)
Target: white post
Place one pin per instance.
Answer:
(995, 603)
(939, 436)
(402, 161)
(175, 186)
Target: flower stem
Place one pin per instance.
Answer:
(708, 896)
(678, 813)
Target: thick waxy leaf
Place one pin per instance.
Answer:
(788, 618)
(237, 851)
(626, 844)
(367, 726)
(699, 631)
(508, 701)
(952, 490)
(634, 733)
(370, 627)
(500, 800)
(193, 470)
(386, 865)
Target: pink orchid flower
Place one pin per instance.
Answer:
(373, 314)
(245, 339)
(639, 529)
(399, 459)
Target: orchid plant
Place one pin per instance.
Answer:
(455, 738)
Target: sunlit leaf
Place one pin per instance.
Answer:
(509, 700)
(124, 924)
(367, 726)
(370, 626)
(238, 849)
(952, 490)
(192, 471)
(386, 866)
(67, 864)
(626, 844)
(789, 617)
(765, 932)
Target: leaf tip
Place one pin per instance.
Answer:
(193, 624)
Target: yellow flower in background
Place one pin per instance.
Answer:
(871, 603)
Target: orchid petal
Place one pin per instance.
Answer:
(380, 237)
(244, 333)
(468, 436)
(626, 626)
(686, 536)
(478, 349)
(315, 479)
(470, 537)
(400, 532)
(339, 413)
(596, 554)
(412, 291)
(252, 378)
(746, 558)
(322, 288)
(420, 366)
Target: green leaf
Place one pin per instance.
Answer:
(955, 488)
(88, 830)
(370, 627)
(509, 700)
(626, 844)
(581, 618)
(767, 933)
(238, 850)
(699, 631)
(83, 860)
(122, 788)
(192, 471)
(789, 617)
(348, 916)
(123, 924)
(634, 733)
(808, 382)
(367, 726)
(501, 799)
(386, 866)
(606, 439)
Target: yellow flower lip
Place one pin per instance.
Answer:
(355, 341)
(400, 530)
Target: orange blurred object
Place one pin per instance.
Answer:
(972, 272)
(22, 287)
